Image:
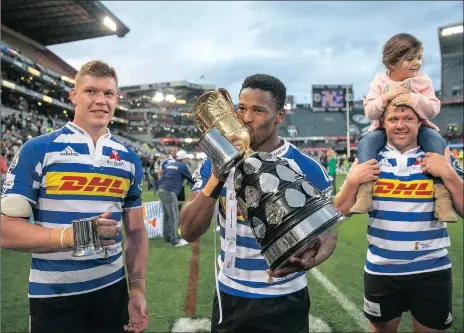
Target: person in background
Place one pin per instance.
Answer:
(169, 187)
(3, 167)
(332, 169)
(155, 172)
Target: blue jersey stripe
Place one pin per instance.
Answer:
(412, 160)
(78, 147)
(401, 216)
(39, 289)
(391, 161)
(249, 242)
(266, 284)
(248, 264)
(411, 177)
(71, 265)
(92, 197)
(407, 236)
(399, 255)
(410, 267)
(66, 217)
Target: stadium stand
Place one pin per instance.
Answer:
(452, 55)
(153, 117)
(161, 113)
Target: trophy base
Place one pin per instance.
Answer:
(88, 251)
(295, 242)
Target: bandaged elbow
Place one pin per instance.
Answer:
(15, 205)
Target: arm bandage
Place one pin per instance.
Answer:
(136, 286)
(213, 187)
(15, 205)
(62, 238)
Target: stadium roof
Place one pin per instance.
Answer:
(56, 22)
(180, 89)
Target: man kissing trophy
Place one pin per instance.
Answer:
(286, 213)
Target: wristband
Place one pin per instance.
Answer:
(134, 295)
(136, 286)
(213, 187)
(62, 238)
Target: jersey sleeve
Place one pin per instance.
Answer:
(201, 175)
(25, 172)
(134, 195)
(314, 172)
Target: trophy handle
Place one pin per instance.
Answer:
(226, 94)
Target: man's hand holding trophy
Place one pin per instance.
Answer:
(286, 213)
(87, 236)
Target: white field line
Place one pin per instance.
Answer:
(344, 302)
(204, 325)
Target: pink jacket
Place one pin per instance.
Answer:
(422, 99)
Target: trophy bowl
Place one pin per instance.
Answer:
(86, 240)
(286, 213)
(214, 109)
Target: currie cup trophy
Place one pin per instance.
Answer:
(285, 212)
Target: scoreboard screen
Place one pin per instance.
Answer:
(331, 97)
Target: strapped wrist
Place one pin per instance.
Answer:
(62, 238)
(136, 287)
(213, 187)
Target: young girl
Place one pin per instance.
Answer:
(403, 84)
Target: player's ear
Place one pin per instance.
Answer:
(72, 96)
(280, 116)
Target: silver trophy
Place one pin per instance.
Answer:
(286, 213)
(86, 239)
(221, 152)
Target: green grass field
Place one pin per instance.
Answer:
(168, 273)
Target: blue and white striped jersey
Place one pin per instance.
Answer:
(404, 236)
(251, 279)
(65, 177)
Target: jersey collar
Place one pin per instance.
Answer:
(407, 152)
(282, 150)
(79, 131)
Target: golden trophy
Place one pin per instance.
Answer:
(225, 140)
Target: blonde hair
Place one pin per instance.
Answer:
(96, 68)
(398, 108)
(399, 48)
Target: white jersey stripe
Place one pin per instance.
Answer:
(75, 276)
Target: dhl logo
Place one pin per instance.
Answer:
(86, 184)
(397, 189)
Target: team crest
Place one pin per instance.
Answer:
(417, 164)
(115, 155)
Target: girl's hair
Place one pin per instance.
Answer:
(400, 47)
